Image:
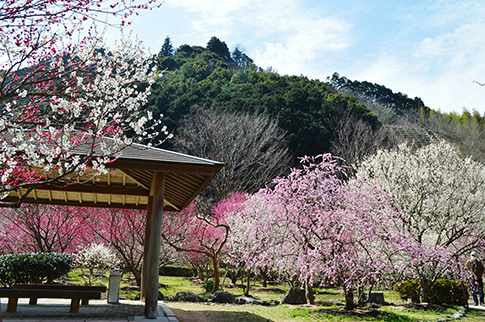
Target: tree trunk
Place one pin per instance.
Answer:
(234, 278)
(264, 275)
(360, 290)
(201, 272)
(195, 271)
(91, 274)
(137, 276)
(349, 298)
(310, 297)
(425, 289)
(246, 290)
(217, 277)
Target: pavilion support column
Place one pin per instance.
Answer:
(143, 289)
(152, 246)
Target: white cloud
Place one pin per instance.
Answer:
(213, 14)
(440, 69)
(308, 42)
(281, 33)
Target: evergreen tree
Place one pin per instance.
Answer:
(167, 48)
(220, 48)
(241, 59)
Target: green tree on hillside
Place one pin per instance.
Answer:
(240, 59)
(467, 131)
(167, 48)
(219, 47)
(400, 103)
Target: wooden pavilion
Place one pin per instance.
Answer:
(141, 178)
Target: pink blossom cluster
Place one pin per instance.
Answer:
(318, 226)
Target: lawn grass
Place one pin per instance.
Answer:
(328, 307)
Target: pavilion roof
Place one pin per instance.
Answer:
(128, 181)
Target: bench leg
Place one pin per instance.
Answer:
(74, 305)
(85, 301)
(33, 301)
(12, 304)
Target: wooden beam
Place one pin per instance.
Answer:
(205, 170)
(139, 205)
(196, 192)
(97, 188)
(143, 178)
(153, 251)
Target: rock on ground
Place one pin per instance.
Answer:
(295, 295)
(187, 297)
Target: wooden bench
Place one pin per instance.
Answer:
(34, 291)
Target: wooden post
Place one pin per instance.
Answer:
(12, 304)
(74, 308)
(143, 290)
(153, 246)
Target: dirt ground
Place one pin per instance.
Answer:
(210, 316)
(192, 313)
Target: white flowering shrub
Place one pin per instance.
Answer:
(95, 260)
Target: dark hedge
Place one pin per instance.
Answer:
(33, 268)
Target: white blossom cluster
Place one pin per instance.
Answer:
(440, 191)
(76, 114)
(97, 259)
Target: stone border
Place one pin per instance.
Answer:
(163, 312)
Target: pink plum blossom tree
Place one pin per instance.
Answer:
(314, 226)
(41, 228)
(195, 231)
(202, 231)
(124, 231)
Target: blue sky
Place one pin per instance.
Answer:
(432, 49)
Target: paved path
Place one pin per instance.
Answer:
(476, 307)
(97, 310)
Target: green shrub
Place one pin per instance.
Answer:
(446, 291)
(408, 290)
(208, 286)
(33, 268)
(176, 270)
(442, 291)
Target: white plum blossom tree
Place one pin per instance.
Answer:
(441, 194)
(96, 259)
(439, 190)
(68, 105)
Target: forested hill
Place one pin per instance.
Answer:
(310, 111)
(214, 78)
(373, 93)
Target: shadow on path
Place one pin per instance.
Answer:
(216, 316)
